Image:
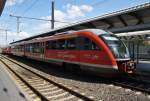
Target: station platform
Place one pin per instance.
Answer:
(143, 67)
(9, 90)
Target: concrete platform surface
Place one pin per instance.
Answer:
(144, 67)
(9, 91)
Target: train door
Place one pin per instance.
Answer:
(23, 49)
(42, 49)
(90, 53)
(38, 50)
(72, 54)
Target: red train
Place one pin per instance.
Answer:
(6, 50)
(92, 50)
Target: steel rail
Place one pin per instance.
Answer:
(53, 82)
(134, 84)
(43, 98)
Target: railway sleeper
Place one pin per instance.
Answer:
(53, 92)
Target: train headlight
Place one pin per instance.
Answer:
(130, 65)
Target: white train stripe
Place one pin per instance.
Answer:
(87, 64)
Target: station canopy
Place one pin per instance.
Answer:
(2, 4)
(131, 19)
(144, 35)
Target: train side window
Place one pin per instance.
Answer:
(94, 46)
(61, 44)
(22, 48)
(54, 44)
(28, 48)
(41, 46)
(37, 47)
(31, 48)
(49, 44)
(89, 44)
(33, 45)
(71, 43)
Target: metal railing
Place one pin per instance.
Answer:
(139, 48)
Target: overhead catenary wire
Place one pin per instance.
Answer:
(29, 8)
(6, 31)
(99, 3)
(37, 19)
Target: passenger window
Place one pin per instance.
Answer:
(71, 43)
(49, 44)
(27, 48)
(31, 47)
(61, 44)
(89, 44)
(54, 45)
(41, 46)
(94, 46)
(38, 47)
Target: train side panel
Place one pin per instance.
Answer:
(35, 50)
(18, 49)
(90, 55)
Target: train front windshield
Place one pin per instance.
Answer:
(117, 47)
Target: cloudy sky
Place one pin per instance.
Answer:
(65, 11)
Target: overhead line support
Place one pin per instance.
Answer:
(52, 16)
(6, 30)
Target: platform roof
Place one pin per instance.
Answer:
(2, 4)
(134, 35)
(131, 19)
(146, 32)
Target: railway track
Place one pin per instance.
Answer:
(39, 87)
(135, 82)
(130, 82)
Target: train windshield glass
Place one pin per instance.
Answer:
(117, 47)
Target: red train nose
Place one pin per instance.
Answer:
(126, 66)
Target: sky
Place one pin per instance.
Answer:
(69, 11)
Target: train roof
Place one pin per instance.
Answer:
(95, 31)
(67, 33)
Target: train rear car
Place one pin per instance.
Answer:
(6, 50)
(35, 49)
(18, 49)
